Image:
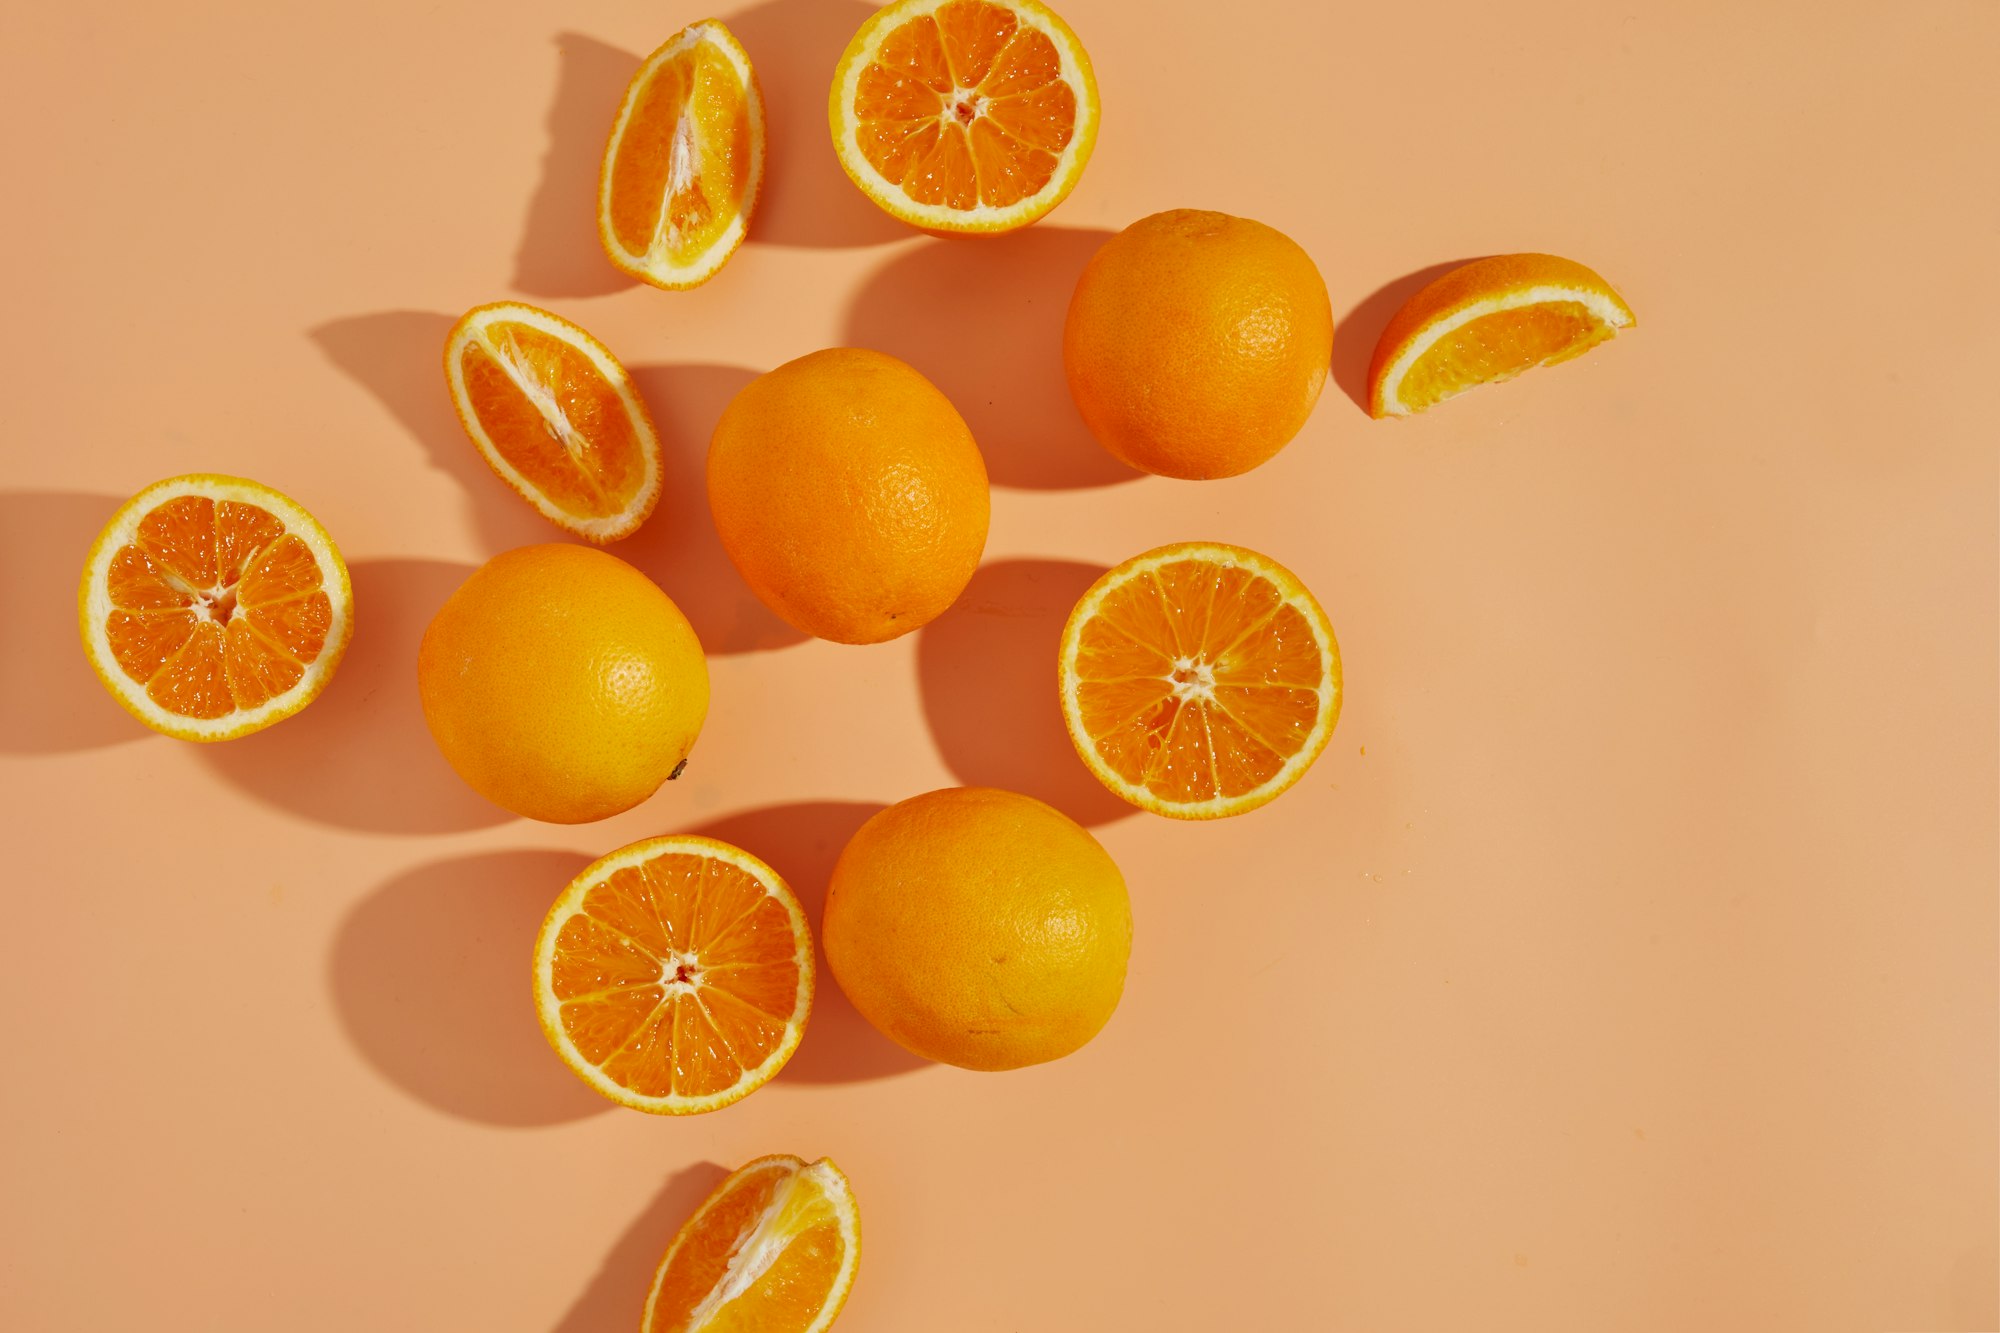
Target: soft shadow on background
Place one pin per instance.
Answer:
(1355, 335)
(430, 978)
(360, 755)
(801, 842)
(982, 317)
(987, 670)
(678, 546)
(560, 254)
(616, 1297)
(50, 699)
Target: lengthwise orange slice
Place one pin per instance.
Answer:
(773, 1250)
(212, 607)
(1199, 680)
(675, 975)
(556, 418)
(685, 162)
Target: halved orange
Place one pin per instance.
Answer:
(555, 415)
(1199, 680)
(675, 975)
(773, 1250)
(685, 161)
(1488, 321)
(965, 115)
(212, 607)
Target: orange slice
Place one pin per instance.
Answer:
(685, 161)
(773, 1250)
(965, 115)
(675, 975)
(1199, 680)
(555, 415)
(212, 607)
(1486, 322)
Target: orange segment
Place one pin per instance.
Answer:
(685, 161)
(675, 975)
(212, 607)
(1488, 321)
(1199, 680)
(965, 115)
(556, 417)
(773, 1250)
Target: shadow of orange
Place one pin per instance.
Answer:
(1001, 366)
(801, 842)
(987, 670)
(360, 756)
(1355, 336)
(678, 546)
(616, 1297)
(560, 254)
(50, 699)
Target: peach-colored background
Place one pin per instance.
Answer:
(1627, 963)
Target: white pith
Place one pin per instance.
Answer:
(981, 216)
(570, 904)
(656, 265)
(97, 606)
(1201, 687)
(473, 328)
(1602, 307)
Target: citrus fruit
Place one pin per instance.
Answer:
(685, 161)
(964, 115)
(849, 494)
(1199, 680)
(212, 607)
(979, 927)
(1197, 343)
(773, 1250)
(1488, 321)
(562, 684)
(675, 975)
(555, 415)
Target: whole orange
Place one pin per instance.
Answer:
(1197, 343)
(979, 927)
(562, 684)
(849, 494)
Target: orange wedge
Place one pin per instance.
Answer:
(675, 975)
(965, 115)
(212, 607)
(1486, 322)
(685, 161)
(1199, 680)
(773, 1250)
(555, 415)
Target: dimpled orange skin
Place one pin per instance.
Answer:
(979, 927)
(849, 494)
(1197, 343)
(562, 684)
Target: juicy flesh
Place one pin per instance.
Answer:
(554, 417)
(1500, 346)
(1198, 680)
(215, 607)
(965, 107)
(685, 159)
(677, 976)
(765, 1260)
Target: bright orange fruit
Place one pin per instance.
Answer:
(1199, 680)
(556, 418)
(773, 1250)
(213, 606)
(675, 975)
(1488, 321)
(965, 115)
